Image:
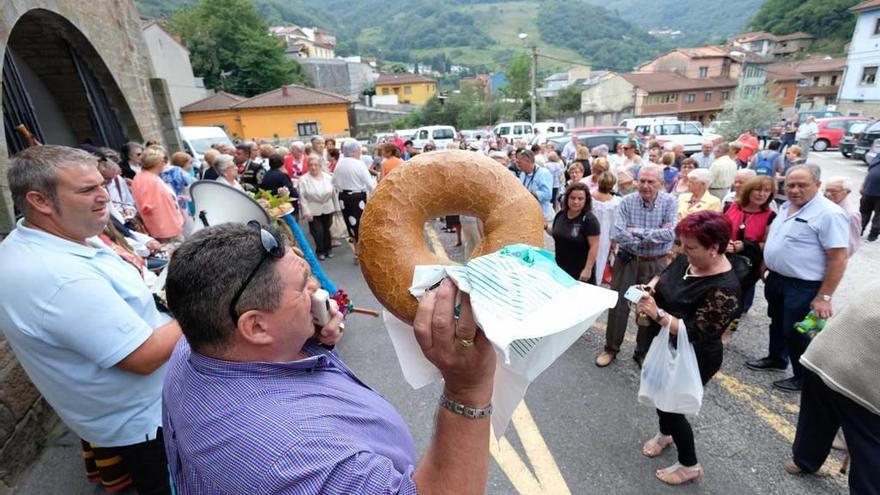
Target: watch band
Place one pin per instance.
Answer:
(466, 411)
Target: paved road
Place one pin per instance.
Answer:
(580, 429)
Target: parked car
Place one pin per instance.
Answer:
(471, 135)
(197, 140)
(873, 152)
(849, 139)
(676, 132)
(831, 130)
(818, 114)
(588, 140)
(865, 140)
(623, 131)
(441, 135)
(513, 130)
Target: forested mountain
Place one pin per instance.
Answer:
(484, 32)
(829, 20)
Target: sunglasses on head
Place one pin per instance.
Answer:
(271, 249)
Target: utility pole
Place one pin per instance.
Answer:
(534, 77)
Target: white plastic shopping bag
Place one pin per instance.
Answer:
(670, 376)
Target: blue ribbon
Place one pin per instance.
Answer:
(304, 246)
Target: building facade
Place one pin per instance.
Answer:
(860, 90)
(303, 42)
(821, 83)
(289, 112)
(672, 94)
(411, 89)
(170, 61)
(346, 77)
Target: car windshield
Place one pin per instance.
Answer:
(854, 127)
(203, 144)
(443, 134)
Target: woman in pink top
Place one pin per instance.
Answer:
(156, 202)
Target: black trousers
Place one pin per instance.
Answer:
(677, 425)
(148, 466)
(353, 204)
(823, 411)
(788, 302)
(870, 205)
(320, 229)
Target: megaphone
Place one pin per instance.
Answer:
(217, 203)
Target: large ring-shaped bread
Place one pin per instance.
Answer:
(392, 235)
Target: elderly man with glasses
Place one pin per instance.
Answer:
(805, 256)
(257, 399)
(644, 229)
(838, 190)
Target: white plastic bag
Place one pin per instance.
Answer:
(670, 376)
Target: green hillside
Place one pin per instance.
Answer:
(483, 33)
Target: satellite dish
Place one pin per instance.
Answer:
(217, 203)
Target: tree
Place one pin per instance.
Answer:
(230, 46)
(748, 112)
(568, 100)
(519, 77)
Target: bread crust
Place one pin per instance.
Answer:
(392, 237)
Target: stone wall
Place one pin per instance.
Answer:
(107, 34)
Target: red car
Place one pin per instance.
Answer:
(832, 129)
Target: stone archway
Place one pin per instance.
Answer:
(57, 84)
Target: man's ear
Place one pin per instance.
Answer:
(40, 202)
(253, 328)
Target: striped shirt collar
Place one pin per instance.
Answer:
(318, 359)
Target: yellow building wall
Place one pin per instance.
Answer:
(419, 93)
(228, 119)
(266, 123)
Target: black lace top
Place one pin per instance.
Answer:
(705, 304)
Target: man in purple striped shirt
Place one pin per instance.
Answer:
(256, 400)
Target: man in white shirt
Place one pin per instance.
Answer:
(570, 149)
(806, 135)
(80, 320)
(705, 157)
(353, 181)
(723, 171)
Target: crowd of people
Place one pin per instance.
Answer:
(254, 377)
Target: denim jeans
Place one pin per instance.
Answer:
(788, 302)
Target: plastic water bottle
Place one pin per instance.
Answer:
(810, 326)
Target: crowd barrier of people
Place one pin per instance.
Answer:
(255, 379)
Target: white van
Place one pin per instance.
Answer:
(550, 129)
(197, 140)
(441, 135)
(513, 131)
(669, 130)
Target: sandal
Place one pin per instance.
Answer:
(677, 474)
(656, 445)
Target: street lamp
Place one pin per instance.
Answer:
(534, 92)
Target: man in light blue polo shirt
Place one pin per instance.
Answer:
(806, 255)
(80, 320)
(538, 180)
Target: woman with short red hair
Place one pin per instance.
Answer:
(700, 289)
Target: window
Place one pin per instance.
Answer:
(783, 92)
(815, 80)
(661, 98)
(704, 72)
(444, 134)
(407, 90)
(691, 97)
(869, 75)
(725, 95)
(834, 80)
(707, 96)
(644, 130)
(517, 130)
(423, 135)
(307, 128)
(385, 91)
(503, 131)
(877, 27)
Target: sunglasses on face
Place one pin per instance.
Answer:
(271, 249)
